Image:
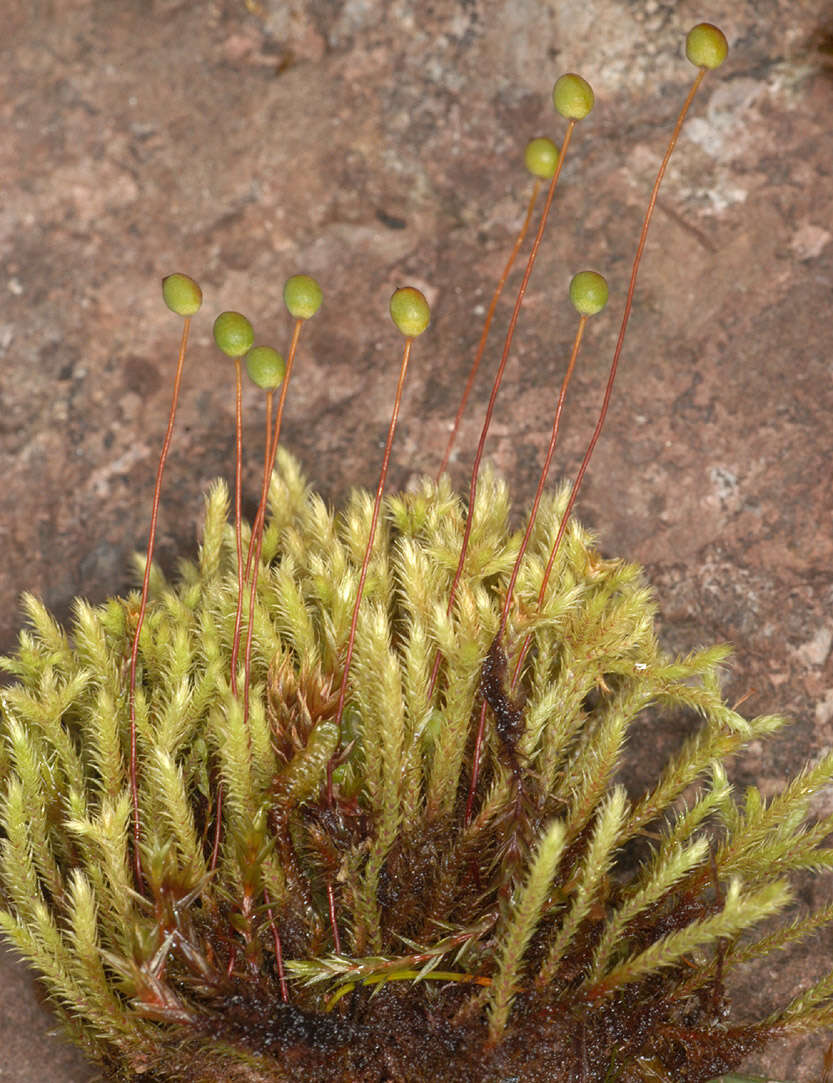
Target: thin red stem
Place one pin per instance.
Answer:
(218, 826)
(257, 526)
(331, 905)
(267, 464)
(134, 654)
(256, 539)
(260, 518)
(481, 346)
(276, 940)
(640, 248)
(536, 244)
(543, 478)
(238, 516)
(475, 764)
(342, 696)
(478, 742)
(257, 532)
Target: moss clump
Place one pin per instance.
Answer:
(305, 858)
(496, 939)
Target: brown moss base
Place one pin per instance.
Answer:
(410, 1034)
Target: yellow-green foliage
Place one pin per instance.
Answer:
(534, 903)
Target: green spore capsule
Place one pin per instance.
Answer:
(409, 311)
(588, 292)
(302, 296)
(181, 294)
(541, 157)
(233, 333)
(265, 367)
(706, 46)
(573, 96)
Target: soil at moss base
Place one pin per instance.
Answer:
(408, 1033)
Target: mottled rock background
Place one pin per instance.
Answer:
(374, 144)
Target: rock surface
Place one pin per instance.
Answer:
(376, 144)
